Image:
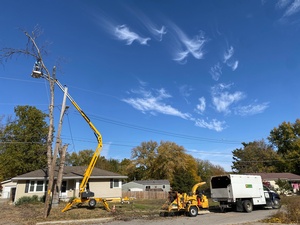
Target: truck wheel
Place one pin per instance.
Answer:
(92, 203)
(193, 211)
(276, 204)
(248, 207)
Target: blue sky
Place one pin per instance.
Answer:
(206, 75)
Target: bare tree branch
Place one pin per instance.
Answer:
(32, 49)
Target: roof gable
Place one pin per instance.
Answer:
(69, 173)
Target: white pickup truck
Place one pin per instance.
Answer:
(242, 192)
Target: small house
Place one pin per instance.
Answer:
(104, 184)
(147, 185)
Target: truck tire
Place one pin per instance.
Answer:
(276, 203)
(248, 206)
(92, 203)
(193, 211)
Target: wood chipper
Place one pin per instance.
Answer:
(191, 203)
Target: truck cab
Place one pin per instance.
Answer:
(272, 198)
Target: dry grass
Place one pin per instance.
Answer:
(30, 214)
(289, 213)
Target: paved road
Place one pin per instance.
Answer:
(215, 218)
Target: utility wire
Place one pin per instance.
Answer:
(150, 130)
(70, 130)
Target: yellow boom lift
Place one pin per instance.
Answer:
(191, 203)
(85, 195)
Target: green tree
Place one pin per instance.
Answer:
(169, 157)
(143, 157)
(286, 139)
(23, 147)
(255, 157)
(82, 158)
(165, 161)
(183, 181)
(112, 165)
(206, 170)
(126, 166)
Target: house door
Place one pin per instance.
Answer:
(13, 194)
(63, 190)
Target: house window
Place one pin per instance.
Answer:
(39, 185)
(31, 186)
(36, 186)
(114, 183)
(147, 188)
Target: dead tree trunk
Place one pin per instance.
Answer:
(55, 198)
(62, 153)
(50, 157)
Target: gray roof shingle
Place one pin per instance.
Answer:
(152, 182)
(70, 172)
(276, 176)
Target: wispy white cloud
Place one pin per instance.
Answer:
(229, 60)
(292, 9)
(283, 3)
(228, 54)
(289, 8)
(212, 125)
(157, 31)
(187, 46)
(120, 32)
(152, 102)
(216, 71)
(123, 33)
(233, 65)
(251, 109)
(222, 99)
(200, 108)
(185, 91)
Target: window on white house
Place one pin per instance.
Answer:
(31, 186)
(114, 183)
(37, 186)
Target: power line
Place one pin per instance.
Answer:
(150, 130)
(70, 130)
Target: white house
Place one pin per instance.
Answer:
(104, 184)
(147, 185)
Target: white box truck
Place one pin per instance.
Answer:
(242, 192)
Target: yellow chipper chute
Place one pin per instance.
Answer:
(191, 203)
